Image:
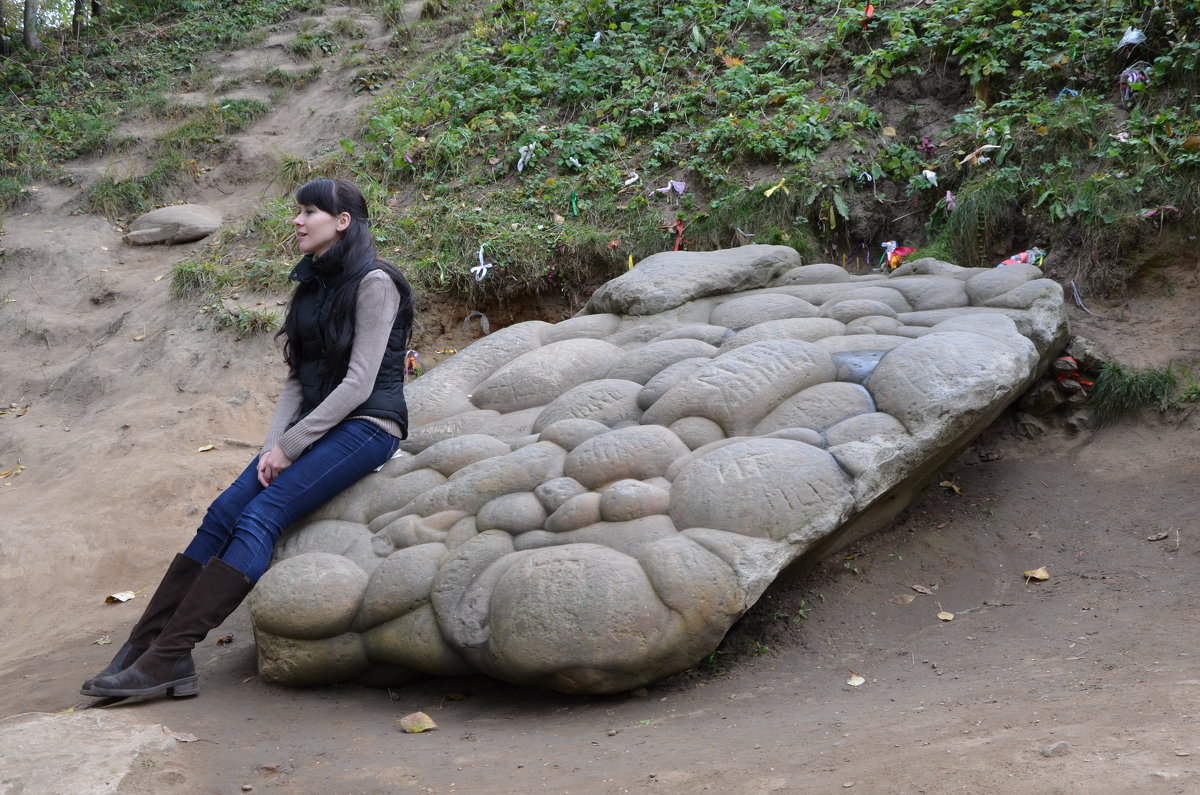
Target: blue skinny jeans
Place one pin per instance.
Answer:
(243, 524)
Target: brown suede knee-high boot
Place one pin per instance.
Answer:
(178, 580)
(167, 667)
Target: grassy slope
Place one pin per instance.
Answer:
(840, 113)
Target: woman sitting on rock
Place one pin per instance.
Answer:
(341, 414)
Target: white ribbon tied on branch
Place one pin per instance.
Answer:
(481, 270)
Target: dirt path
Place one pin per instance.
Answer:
(122, 386)
(1083, 683)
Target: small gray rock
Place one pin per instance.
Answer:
(179, 223)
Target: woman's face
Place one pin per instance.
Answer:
(317, 230)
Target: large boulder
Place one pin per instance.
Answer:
(179, 223)
(589, 506)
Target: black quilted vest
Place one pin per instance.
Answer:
(387, 398)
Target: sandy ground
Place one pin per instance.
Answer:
(1085, 682)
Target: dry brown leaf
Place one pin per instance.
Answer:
(944, 615)
(921, 589)
(1155, 537)
(950, 484)
(889, 132)
(1037, 574)
(902, 598)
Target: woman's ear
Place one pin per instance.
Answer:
(343, 222)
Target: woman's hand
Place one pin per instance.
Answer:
(270, 464)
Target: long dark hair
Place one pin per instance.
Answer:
(341, 268)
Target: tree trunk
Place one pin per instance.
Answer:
(77, 18)
(32, 42)
(97, 9)
(5, 45)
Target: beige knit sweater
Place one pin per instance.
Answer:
(375, 313)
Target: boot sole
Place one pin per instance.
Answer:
(179, 688)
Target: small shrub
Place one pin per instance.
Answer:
(1125, 392)
(285, 79)
(243, 320)
(194, 277)
(307, 45)
(116, 196)
(302, 46)
(392, 13)
(348, 28)
(12, 193)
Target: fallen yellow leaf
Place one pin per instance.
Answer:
(855, 680)
(1037, 574)
(943, 614)
(205, 448)
(890, 132)
(902, 598)
(950, 484)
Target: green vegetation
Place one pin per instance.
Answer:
(1123, 392)
(201, 135)
(558, 140)
(306, 45)
(243, 320)
(733, 99)
(285, 79)
(66, 101)
(227, 264)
